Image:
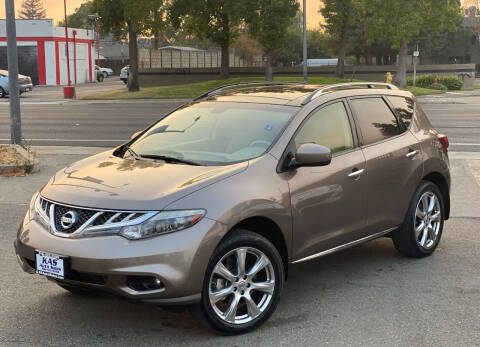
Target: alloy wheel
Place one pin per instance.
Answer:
(428, 218)
(241, 286)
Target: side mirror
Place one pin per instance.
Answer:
(134, 135)
(311, 154)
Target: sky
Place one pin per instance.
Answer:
(55, 9)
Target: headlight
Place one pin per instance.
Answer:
(32, 207)
(162, 223)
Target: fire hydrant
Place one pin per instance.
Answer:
(389, 77)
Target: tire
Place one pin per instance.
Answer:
(105, 74)
(429, 225)
(125, 81)
(241, 288)
(2, 93)
(100, 78)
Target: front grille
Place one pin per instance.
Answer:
(83, 217)
(87, 219)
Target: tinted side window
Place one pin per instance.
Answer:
(328, 127)
(376, 120)
(404, 108)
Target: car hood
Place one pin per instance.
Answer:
(108, 182)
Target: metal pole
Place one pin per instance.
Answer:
(66, 42)
(415, 69)
(305, 60)
(12, 56)
(97, 25)
(74, 57)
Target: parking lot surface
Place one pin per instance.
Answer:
(366, 295)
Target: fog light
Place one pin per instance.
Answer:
(144, 283)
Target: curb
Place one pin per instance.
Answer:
(29, 159)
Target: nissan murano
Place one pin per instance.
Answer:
(207, 207)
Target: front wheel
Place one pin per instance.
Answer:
(422, 228)
(105, 74)
(243, 284)
(2, 93)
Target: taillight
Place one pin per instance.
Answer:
(443, 139)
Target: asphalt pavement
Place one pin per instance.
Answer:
(49, 121)
(368, 295)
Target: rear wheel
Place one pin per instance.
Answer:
(2, 93)
(243, 284)
(422, 229)
(100, 78)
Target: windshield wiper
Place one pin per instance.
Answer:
(169, 159)
(133, 153)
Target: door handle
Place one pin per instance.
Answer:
(356, 173)
(411, 154)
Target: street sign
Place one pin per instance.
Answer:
(416, 54)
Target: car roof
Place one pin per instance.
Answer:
(291, 94)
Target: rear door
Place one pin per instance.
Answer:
(394, 164)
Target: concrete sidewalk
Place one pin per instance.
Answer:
(55, 93)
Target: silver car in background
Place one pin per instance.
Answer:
(24, 83)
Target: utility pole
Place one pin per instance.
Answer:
(416, 54)
(305, 60)
(12, 57)
(67, 43)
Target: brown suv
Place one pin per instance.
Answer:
(208, 206)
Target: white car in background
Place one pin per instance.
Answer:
(107, 72)
(124, 74)
(24, 84)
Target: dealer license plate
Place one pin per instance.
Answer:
(49, 264)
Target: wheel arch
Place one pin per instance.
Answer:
(270, 230)
(442, 184)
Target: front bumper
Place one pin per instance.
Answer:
(26, 88)
(179, 260)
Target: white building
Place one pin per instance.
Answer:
(42, 52)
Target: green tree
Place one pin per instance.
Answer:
(400, 21)
(158, 22)
(79, 18)
(136, 17)
(267, 22)
(340, 18)
(291, 52)
(32, 9)
(217, 21)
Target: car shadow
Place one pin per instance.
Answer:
(108, 320)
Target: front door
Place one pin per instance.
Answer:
(329, 203)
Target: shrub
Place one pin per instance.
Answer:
(451, 82)
(423, 81)
(438, 86)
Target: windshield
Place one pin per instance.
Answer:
(215, 133)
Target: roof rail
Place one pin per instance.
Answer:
(370, 85)
(265, 83)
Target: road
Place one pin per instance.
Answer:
(107, 124)
(368, 295)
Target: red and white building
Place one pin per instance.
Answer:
(42, 52)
